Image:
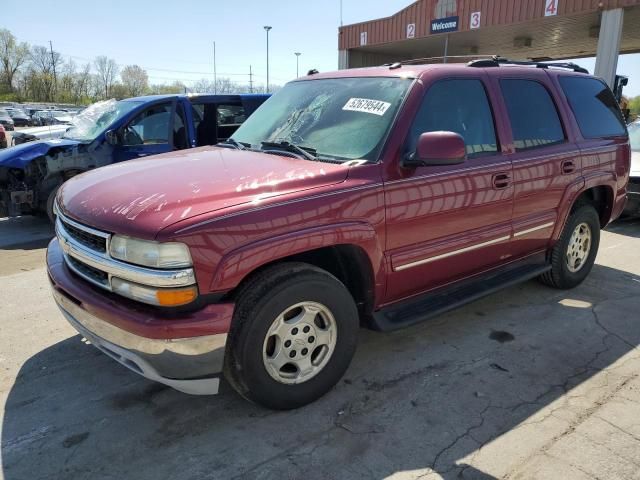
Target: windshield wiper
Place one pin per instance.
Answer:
(306, 152)
(234, 143)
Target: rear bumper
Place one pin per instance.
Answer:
(185, 353)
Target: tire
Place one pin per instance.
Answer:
(49, 205)
(251, 345)
(566, 274)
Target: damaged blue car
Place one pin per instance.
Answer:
(114, 131)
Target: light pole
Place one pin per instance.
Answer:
(297, 54)
(267, 28)
(215, 75)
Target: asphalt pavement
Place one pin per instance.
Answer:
(529, 383)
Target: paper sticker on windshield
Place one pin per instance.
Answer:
(377, 107)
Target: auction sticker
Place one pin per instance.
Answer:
(377, 107)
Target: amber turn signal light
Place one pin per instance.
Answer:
(175, 297)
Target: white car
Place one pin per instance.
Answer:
(38, 133)
(633, 190)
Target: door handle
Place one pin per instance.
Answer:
(501, 181)
(568, 166)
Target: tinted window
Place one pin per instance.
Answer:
(532, 113)
(594, 107)
(459, 106)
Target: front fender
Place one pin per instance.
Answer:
(239, 263)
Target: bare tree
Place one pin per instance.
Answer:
(12, 56)
(43, 65)
(135, 80)
(107, 71)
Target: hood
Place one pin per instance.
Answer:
(20, 155)
(141, 197)
(635, 163)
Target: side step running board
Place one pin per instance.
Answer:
(422, 307)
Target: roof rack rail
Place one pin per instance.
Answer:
(449, 58)
(430, 60)
(496, 61)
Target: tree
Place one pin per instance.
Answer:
(43, 68)
(107, 71)
(12, 56)
(634, 106)
(175, 87)
(135, 80)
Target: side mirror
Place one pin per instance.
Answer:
(112, 137)
(437, 148)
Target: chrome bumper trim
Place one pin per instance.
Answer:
(115, 268)
(186, 364)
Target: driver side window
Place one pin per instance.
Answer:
(151, 126)
(460, 106)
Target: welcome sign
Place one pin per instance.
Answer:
(444, 25)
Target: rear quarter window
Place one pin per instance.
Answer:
(593, 106)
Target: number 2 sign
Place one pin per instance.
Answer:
(474, 22)
(550, 8)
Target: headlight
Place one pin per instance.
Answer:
(150, 254)
(163, 297)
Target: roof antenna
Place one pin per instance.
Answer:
(313, 71)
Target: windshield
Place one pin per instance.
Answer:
(338, 118)
(634, 136)
(97, 118)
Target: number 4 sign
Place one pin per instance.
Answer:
(474, 21)
(550, 8)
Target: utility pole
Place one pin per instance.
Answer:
(215, 75)
(53, 64)
(297, 54)
(267, 28)
(340, 12)
(250, 80)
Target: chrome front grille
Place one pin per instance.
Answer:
(92, 274)
(94, 242)
(86, 253)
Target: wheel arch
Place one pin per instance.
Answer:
(350, 252)
(596, 189)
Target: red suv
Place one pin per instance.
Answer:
(375, 197)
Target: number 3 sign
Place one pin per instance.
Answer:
(474, 22)
(550, 8)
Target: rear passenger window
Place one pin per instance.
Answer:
(459, 106)
(532, 113)
(594, 107)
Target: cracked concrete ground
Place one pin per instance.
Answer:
(529, 383)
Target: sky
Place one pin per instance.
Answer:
(174, 40)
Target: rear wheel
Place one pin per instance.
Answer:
(293, 336)
(575, 252)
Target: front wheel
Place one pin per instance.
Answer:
(575, 252)
(293, 336)
(49, 205)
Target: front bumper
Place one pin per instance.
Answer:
(185, 353)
